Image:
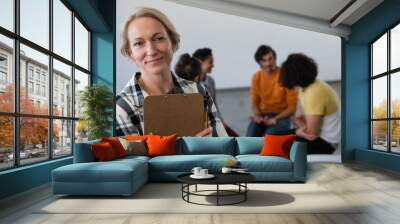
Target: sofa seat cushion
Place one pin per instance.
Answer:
(112, 171)
(257, 163)
(185, 163)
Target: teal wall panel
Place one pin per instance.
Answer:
(356, 101)
(24, 178)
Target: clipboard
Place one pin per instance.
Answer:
(181, 114)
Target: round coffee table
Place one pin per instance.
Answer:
(238, 179)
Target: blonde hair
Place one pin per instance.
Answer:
(152, 13)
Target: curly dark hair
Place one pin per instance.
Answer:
(263, 50)
(298, 70)
(188, 67)
(202, 53)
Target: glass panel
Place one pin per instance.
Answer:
(81, 131)
(62, 89)
(379, 135)
(62, 29)
(379, 55)
(81, 45)
(7, 14)
(62, 141)
(395, 136)
(35, 21)
(6, 142)
(379, 98)
(395, 95)
(6, 74)
(34, 97)
(81, 81)
(395, 47)
(33, 139)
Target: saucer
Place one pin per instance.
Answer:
(208, 176)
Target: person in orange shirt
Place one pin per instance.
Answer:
(271, 104)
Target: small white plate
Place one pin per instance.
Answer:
(208, 176)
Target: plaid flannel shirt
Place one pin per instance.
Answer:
(129, 108)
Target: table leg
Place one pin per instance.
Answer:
(217, 194)
(245, 193)
(196, 188)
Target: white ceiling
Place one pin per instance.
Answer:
(319, 9)
(314, 15)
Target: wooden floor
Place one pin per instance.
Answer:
(377, 188)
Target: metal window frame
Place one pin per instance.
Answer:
(388, 74)
(16, 113)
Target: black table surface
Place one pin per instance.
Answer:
(220, 178)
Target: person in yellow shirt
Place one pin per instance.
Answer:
(318, 115)
(271, 103)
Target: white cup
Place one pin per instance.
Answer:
(226, 170)
(196, 170)
(203, 172)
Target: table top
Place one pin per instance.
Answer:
(220, 178)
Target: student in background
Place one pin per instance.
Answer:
(271, 104)
(206, 58)
(318, 115)
(188, 68)
(204, 55)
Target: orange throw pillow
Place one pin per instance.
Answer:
(135, 137)
(116, 145)
(103, 152)
(161, 145)
(277, 145)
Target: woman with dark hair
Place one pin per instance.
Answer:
(188, 68)
(318, 114)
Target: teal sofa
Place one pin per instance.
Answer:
(125, 176)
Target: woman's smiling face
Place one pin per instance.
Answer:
(150, 45)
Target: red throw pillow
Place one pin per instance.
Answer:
(277, 145)
(116, 145)
(103, 152)
(161, 145)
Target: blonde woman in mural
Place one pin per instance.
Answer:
(149, 40)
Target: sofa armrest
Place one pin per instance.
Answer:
(83, 152)
(298, 155)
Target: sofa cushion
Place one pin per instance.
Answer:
(185, 163)
(207, 145)
(116, 145)
(277, 145)
(135, 137)
(103, 152)
(134, 147)
(161, 145)
(257, 163)
(249, 145)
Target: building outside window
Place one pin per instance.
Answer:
(30, 87)
(30, 72)
(3, 78)
(3, 72)
(43, 90)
